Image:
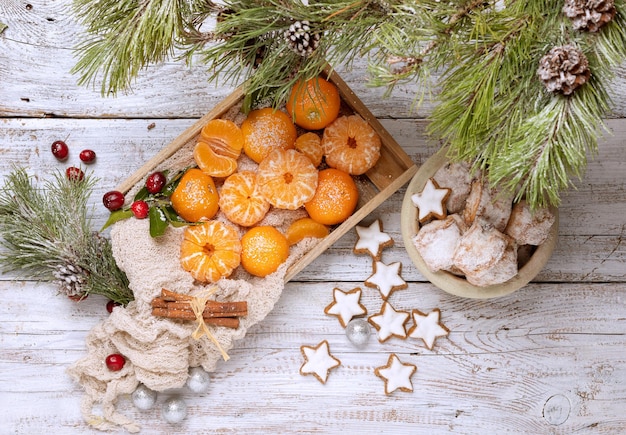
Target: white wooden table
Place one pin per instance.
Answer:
(550, 358)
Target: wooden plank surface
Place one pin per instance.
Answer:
(547, 359)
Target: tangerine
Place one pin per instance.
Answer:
(241, 201)
(304, 228)
(211, 163)
(310, 144)
(335, 199)
(314, 104)
(263, 250)
(351, 145)
(287, 179)
(265, 130)
(224, 137)
(210, 250)
(195, 198)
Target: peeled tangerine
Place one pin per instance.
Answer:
(223, 136)
(211, 163)
(210, 251)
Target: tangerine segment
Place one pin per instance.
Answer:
(195, 198)
(265, 130)
(263, 250)
(211, 163)
(241, 201)
(335, 199)
(287, 179)
(210, 251)
(304, 228)
(224, 137)
(351, 145)
(314, 104)
(310, 144)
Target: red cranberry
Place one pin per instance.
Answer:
(115, 362)
(111, 305)
(113, 200)
(140, 209)
(87, 156)
(60, 150)
(155, 182)
(74, 174)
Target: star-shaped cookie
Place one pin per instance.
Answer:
(372, 240)
(396, 374)
(431, 201)
(318, 361)
(346, 305)
(427, 327)
(389, 322)
(386, 278)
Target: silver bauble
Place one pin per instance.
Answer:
(358, 332)
(199, 380)
(143, 397)
(174, 410)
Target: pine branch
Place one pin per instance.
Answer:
(126, 37)
(43, 230)
(486, 54)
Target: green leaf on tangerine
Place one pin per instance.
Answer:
(173, 218)
(158, 221)
(141, 194)
(116, 216)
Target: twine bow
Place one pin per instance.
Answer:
(197, 305)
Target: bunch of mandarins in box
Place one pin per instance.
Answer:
(300, 158)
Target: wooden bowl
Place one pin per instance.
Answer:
(447, 281)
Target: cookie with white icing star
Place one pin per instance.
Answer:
(396, 374)
(318, 361)
(372, 240)
(431, 201)
(386, 278)
(427, 327)
(389, 322)
(346, 305)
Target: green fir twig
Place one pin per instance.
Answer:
(484, 55)
(47, 230)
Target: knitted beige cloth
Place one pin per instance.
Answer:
(159, 351)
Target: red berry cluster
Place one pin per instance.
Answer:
(61, 151)
(114, 200)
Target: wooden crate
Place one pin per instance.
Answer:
(394, 168)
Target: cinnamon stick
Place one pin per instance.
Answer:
(228, 322)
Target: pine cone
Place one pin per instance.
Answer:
(300, 38)
(589, 15)
(71, 279)
(564, 69)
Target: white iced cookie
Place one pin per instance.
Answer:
(389, 322)
(427, 327)
(529, 227)
(372, 240)
(318, 361)
(431, 201)
(437, 240)
(346, 305)
(457, 178)
(396, 374)
(489, 203)
(386, 278)
(485, 255)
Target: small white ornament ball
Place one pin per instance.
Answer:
(199, 380)
(358, 332)
(144, 398)
(174, 410)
